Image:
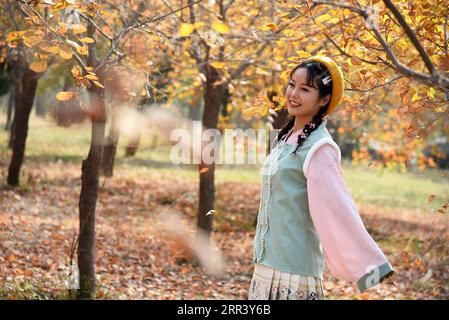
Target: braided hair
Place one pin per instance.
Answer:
(316, 72)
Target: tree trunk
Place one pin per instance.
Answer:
(224, 104)
(9, 110)
(24, 97)
(133, 144)
(90, 175)
(213, 96)
(195, 108)
(110, 148)
(16, 101)
(280, 120)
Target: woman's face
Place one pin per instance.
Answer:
(303, 100)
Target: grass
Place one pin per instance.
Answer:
(370, 185)
(396, 190)
(26, 290)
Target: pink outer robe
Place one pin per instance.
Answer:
(350, 252)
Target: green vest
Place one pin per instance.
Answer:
(285, 237)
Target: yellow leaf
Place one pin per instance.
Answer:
(41, 56)
(60, 5)
(293, 58)
(76, 71)
(63, 28)
(87, 40)
(220, 27)
(303, 54)
(198, 24)
(431, 93)
(91, 77)
(416, 97)
(88, 68)
(50, 49)
(253, 11)
(105, 13)
(65, 95)
(83, 50)
(14, 36)
(284, 14)
(98, 84)
(288, 32)
(249, 111)
(77, 28)
(186, 29)
(322, 18)
(270, 26)
(290, 5)
(279, 58)
(65, 53)
(218, 65)
(31, 41)
(281, 102)
(38, 66)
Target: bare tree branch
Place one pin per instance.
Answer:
(236, 73)
(412, 37)
(87, 18)
(377, 85)
(433, 79)
(138, 24)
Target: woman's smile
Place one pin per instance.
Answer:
(294, 104)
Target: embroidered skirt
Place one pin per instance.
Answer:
(271, 284)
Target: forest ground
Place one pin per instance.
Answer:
(135, 259)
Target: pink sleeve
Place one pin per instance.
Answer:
(350, 252)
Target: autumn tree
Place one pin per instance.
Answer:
(87, 35)
(18, 59)
(224, 48)
(395, 60)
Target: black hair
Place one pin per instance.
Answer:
(316, 72)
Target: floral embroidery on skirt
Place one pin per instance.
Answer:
(270, 284)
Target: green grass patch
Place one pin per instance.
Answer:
(380, 187)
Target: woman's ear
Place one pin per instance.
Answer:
(325, 100)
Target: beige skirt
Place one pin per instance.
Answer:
(271, 284)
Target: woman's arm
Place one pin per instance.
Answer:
(350, 252)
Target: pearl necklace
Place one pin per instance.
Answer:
(272, 159)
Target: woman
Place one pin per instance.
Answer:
(307, 216)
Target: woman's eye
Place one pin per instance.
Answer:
(305, 89)
(291, 84)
